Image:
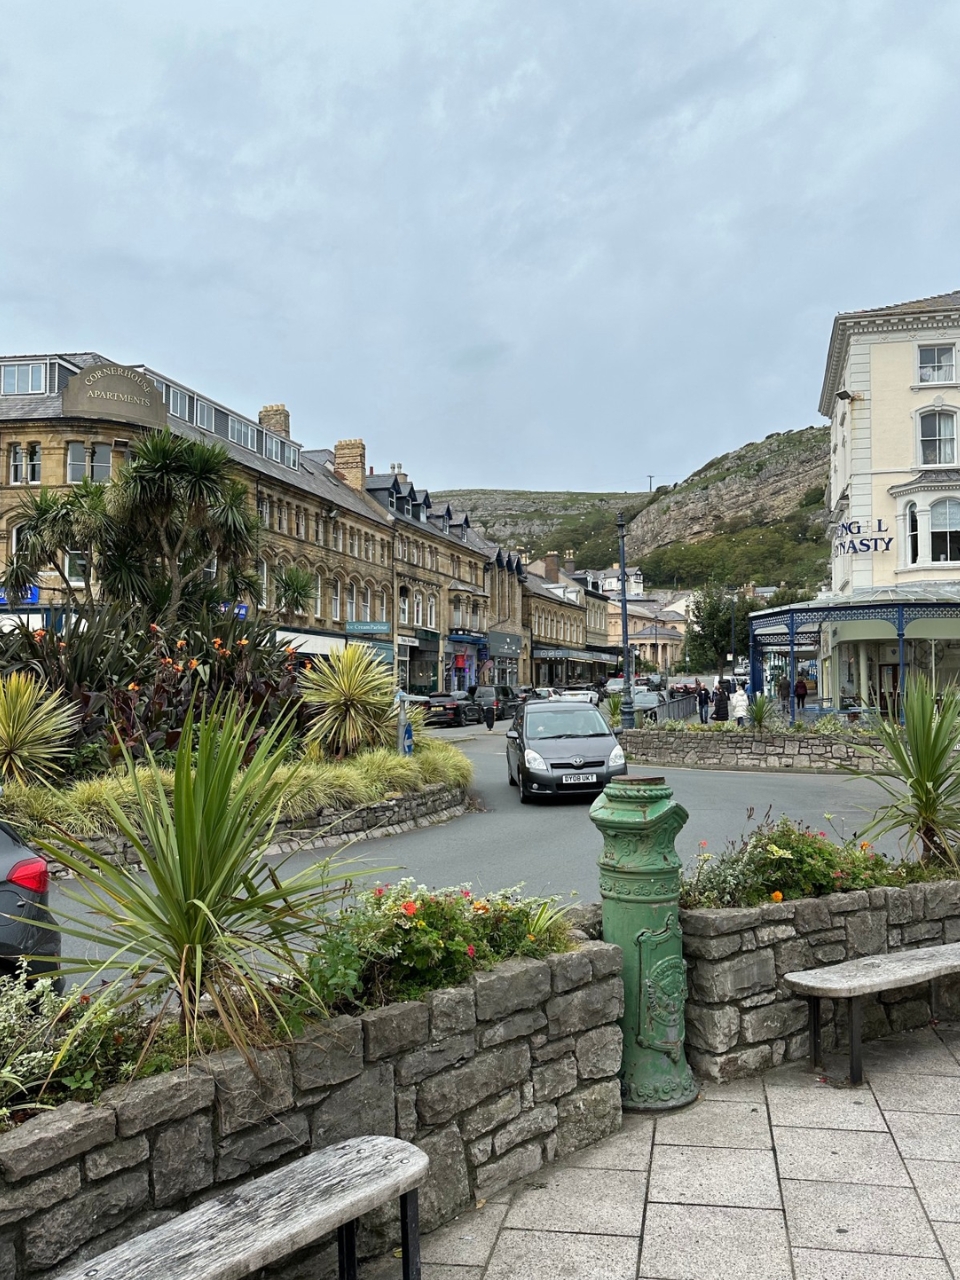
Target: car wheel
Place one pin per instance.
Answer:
(525, 796)
(458, 720)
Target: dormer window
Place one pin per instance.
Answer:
(22, 379)
(937, 364)
(392, 500)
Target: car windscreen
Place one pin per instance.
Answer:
(565, 722)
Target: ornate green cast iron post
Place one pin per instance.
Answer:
(640, 887)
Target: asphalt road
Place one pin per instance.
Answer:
(552, 847)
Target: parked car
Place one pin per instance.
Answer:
(24, 883)
(614, 685)
(503, 698)
(526, 691)
(453, 709)
(646, 702)
(581, 694)
(561, 747)
(546, 692)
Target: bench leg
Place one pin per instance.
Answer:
(855, 1009)
(935, 999)
(347, 1251)
(410, 1234)
(816, 1051)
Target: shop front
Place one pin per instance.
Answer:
(424, 661)
(504, 650)
(463, 653)
(560, 667)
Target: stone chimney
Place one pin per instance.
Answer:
(569, 563)
(350, 460)
(551, 566)
(398, 471)
(276, 418)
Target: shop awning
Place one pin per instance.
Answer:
(309, 642)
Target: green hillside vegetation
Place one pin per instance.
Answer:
(792, 551)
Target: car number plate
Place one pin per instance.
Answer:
(578, 777)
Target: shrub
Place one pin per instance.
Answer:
(353, 692)
(763, 714)
(785, 860)
(210, 918)
(614, 703)
(396, 942)
(36, 729)
(440, 761)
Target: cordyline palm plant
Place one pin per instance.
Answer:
(762, 713)
(354, 694)
(921, 771)
(37, 729)
(210, 918)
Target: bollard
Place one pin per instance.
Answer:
(640, 887)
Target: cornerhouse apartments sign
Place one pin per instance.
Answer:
(114, 391)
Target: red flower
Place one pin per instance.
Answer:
(84, 999)
(822, 835)
(378, 893)
(409, 908)
(465, 892)
(471, 951)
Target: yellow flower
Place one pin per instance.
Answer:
(532, 937)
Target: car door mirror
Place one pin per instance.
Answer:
(513, 735)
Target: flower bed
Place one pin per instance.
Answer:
(492, 1079)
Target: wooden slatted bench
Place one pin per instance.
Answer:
(854, 979)
(263, 1221)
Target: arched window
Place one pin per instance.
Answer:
(383, 605)
(335, 599)
(475, 616)
(365, 605)
(351, 602)
(318, 603)
(404, 606)
(432, 612)
(457, 612)
(913, 534)
(938, 437)
(418, 609)
(945, 530)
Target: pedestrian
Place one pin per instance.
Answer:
(721, 705)
(739, 705)
(489, 715)
(703, 702)
(800, 692)
(783, 692)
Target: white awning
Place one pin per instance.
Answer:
(305, 642)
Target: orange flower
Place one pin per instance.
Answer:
(481, 907)
(132, 686)
(532, 937)
(177, 666)
(192, 663)
(776, 896)
(181, 644)
(291, 649)
(39, 634)
(243, 642)
(408, 908)
(154, 627)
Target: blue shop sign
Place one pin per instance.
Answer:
(368, 628)
(30, 596)
(239, 610)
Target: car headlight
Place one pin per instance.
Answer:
(533, 760)
(617, 757)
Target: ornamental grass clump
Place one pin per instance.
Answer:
(37, 728)
(398, 941)
(352, 694)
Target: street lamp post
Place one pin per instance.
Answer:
(626, 699)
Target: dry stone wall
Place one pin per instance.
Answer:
(435, 803)
(491, 1080)
(745, 749)
(741, 1016)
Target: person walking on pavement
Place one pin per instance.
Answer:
(721, 705)
(739, 705)
(783, 692)
(489, 716)
(800, 692)
(703, 702)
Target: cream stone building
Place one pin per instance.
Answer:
(892, 393)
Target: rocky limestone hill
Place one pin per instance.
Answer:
(759, 484)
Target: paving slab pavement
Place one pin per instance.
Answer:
(786, 1176)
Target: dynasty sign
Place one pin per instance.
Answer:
(856, 537)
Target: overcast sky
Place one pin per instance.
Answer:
(535, 244)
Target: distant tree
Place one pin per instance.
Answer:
(294, 590)
(708, 639)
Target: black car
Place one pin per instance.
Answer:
(501, 697)
(561, 748)
(456, 708)
(24, 881)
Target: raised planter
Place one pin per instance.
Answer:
(435, 803)
(747, 749)
(741, 1017)
(492, 1080)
